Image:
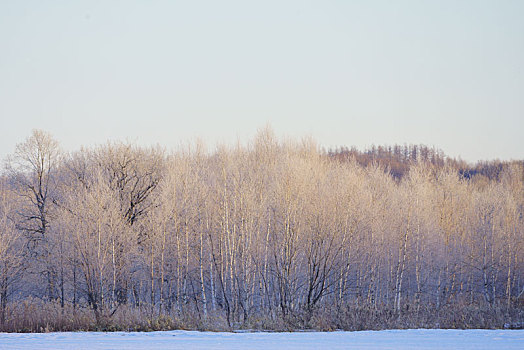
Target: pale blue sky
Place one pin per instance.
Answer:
(442, 73)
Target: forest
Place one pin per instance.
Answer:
(274, 234)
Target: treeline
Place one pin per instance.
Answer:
(398, 159)
(395, 159)
(270, 235)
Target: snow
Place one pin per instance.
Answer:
(390, 339)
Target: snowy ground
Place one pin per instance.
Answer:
(393, 339)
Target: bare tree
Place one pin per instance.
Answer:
(33, 168)
(11, 248)
(96, 226)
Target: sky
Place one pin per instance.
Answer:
(448, 74)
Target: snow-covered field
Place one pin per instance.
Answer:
(392, 339)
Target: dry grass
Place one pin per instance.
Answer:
(33, 315)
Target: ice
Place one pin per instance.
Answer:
(390, 339)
